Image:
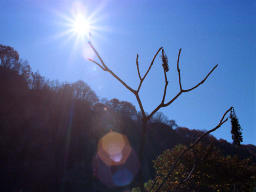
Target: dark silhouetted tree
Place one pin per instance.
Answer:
(236, 128)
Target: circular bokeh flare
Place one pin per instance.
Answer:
(116, 163)
(114, 148)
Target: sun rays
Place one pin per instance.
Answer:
(79, 24)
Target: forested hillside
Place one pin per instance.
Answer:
(49, 132)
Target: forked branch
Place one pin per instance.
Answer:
(104, 67)
(201, 82)
(163, 104)
(152, 62)
(101, 60)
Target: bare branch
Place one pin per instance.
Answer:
(187, 90)
(97, 64)
(165, 87)
(195, 163)
(162, 104)
(138, 69)
(187, 178)
(190, 173)
(222, 121)
(98, 55)
(105, 68)
(178, 69)
(152, 62)
(140, 105)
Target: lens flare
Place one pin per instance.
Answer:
(116, 163)
(124, 174)
(102, 171)
(122, 177)
(114, 148)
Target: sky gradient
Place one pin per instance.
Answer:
(209, 33)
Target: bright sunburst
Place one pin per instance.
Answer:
(81, 26)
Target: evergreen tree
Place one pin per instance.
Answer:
(236, 129)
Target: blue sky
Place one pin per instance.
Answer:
(209, 32)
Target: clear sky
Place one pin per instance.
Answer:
(209, 32)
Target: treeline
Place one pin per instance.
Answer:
(49, 131)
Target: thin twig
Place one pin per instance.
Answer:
(97, 64)
(98, 55)
(105, 68)
(138, 69)
(165, 87)
(152, 62)
(162, 104)
(178, 69)
(196, 162)
(187, 178)
(190, 173)
(187, 90)
(222, 121)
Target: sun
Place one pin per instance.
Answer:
(81, 26)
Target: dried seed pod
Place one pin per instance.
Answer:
(165, 61)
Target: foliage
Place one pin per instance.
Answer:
(9, 57)
(213, 171)
(236, 129)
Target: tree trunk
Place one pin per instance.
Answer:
(141, 153)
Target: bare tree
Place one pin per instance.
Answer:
(162, 104)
